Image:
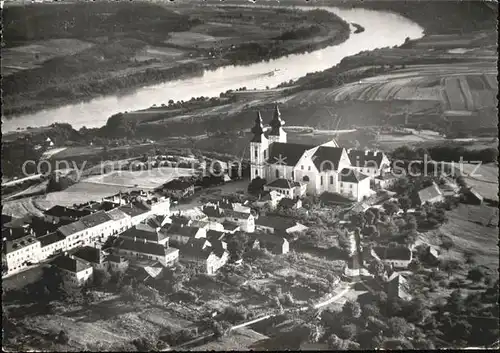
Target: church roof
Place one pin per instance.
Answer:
(361, 158)
(288, 153)
(327, 157)
(351, 176)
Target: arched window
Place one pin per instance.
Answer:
(277, 173)
(305, 178)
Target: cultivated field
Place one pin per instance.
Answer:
(447, 84)
(33, 55)
(483, 178)
(467, 235)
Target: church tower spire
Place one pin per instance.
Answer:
(277, 134)
(258, 129)
(258, 149)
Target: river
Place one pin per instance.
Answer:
(382, 29)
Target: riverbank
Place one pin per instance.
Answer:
(42, 70)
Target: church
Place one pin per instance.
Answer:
(297, 169)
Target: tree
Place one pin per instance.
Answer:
(220, 329)
(411, 223)
(370, 217)
(455, 302)
(256, 186)
(348, 331)
(62, 337)
(398, 327)
(376, 267)
(390, 208)
(370, 310)
(101, 277)
(357, 220)
(446, 243)
(351, 309)
(451, 266)
(335, 343)
(236, 245)
(404, 203)
(475, 274)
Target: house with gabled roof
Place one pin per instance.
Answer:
(52, 243)
(245, 221)
(398, 257)
(145, 250)
(269, 199)
(76, 233)
(275, 224)
(371, 163)
(137, 211)
(20, 253)
(216, 235)
(75, 272)
(276, 244)
(354, 185)
(93, 256)
(57, 213)
(99, 226)
(121, 219)
(287, 188)
(397, 287)
(144, 233)
(179, 234)
(210, 257)
(178, 188)
(230, 227)
(117, 263)
(431, 194)
(317, 167)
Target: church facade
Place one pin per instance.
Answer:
(324, 168)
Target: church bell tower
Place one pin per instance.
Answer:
(277, 134)
(258, 150)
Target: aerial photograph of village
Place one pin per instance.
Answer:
(237, 175)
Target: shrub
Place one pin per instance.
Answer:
(62, 337)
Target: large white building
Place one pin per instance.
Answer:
(323, 168)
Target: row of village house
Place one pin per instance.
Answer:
(145, 230)
(147, 215)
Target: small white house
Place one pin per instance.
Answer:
(354, 185)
